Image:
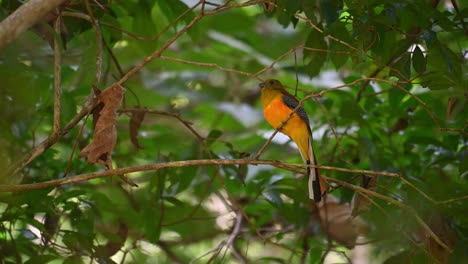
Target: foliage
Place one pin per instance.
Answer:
(397, 104)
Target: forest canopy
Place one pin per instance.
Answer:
(133, 131)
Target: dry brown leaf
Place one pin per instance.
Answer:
(450, 107)
(116, 240)
(442, 229)
(97, 112)
(135, 123)
(400, 125)
(105, 133)
(338, 223)
(269, 5)
(51, 222)
(98, 107)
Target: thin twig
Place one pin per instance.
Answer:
(49, 141)
(330, 125)
(227, 243)
(114, 58)
(97, 29)
(131, 34)
(235, 230)
(321, 31)
(158, 53)
(275, 61)
(297, 73)
(75, 145)
(57, 74)
(195, 20)
(211, 65)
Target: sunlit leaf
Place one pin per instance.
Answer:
(419, 61)
(314, 59)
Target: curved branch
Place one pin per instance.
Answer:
(174, 164)
(24, 17)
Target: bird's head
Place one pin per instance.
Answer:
(271, 84)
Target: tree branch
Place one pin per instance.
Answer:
(24, 17)
(175, 164)
(57, 75)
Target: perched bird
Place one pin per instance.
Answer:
(278, 105)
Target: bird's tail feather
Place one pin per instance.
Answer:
(315, 188)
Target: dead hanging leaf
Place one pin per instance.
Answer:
(116, 240)
(97, 113)
(360, 202)
(400, 125)
(450, 107)
(338, 223)
(99, 105)
(269, 5)
(444, 231)
(51, 222)
(105, 133)
(135, 123)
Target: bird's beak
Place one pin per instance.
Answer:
(261, 85)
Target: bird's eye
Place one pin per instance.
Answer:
(272, 82)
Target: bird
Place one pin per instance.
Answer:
(279, 105)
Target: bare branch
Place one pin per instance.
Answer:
(57, 74)
(98, 44)
(175, 164)
(24, 17)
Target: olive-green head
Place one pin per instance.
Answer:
(271, 84)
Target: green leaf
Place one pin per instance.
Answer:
(419, 61)
(285, 11)
(273, 197)
(174, 201)
(442, 58)
(438, 81)
(152, 220)
(401, 68)
(271, 260)
(173, 9)
(463, 166)
(349, 108)
(73, 260)
(331, 9)
(338, 30)
(315, 59)
(213, 136)
(159, 14)
(41, 259)
(234, 45)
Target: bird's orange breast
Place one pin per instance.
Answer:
(276, 112)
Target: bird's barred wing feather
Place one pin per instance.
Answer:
(292, 103)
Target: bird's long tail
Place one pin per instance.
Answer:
(315, 188)
(315, 184)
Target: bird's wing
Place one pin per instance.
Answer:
(292, 103)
